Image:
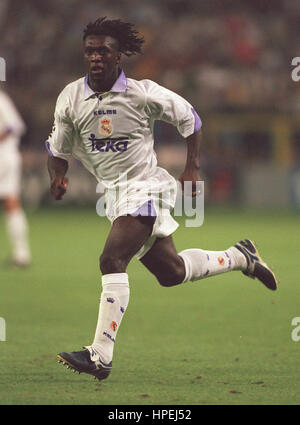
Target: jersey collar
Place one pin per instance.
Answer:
(119, 86)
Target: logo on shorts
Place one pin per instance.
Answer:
(105, 127)
(221, 261)
(114, 326)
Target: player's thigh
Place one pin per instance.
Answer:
(127, 235)
(164, 262)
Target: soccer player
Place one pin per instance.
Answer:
(11, 129)
(106, 120)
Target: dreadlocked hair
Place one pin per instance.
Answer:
(129, 41)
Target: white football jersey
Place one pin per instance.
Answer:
(10, 119)
(112, 133)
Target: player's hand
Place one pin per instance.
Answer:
(59, 187)
(190, 176)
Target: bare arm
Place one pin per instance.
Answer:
(57, 169)
(191, 171)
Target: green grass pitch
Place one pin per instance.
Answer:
(223, 340)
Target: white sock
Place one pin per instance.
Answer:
(113, 303)
(200, 264)
(17, 228)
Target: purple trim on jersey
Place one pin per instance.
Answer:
(47, 144)
(119, 86)
(198, 122)
(87, 90)
(146, 210)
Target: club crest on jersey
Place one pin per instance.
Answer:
(106, 127)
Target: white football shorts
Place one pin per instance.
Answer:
(154, 197)
(10, 174)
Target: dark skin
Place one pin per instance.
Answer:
(102, 58)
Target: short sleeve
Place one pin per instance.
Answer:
(60, 140)
(163, 104)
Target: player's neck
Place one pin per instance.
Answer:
(103, 85)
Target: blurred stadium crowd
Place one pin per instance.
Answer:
(222, 56)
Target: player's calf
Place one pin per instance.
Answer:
(171, 275)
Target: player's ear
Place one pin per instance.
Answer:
(118, 58)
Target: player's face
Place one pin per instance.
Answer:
(102, 57)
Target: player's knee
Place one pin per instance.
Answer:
(171, 279)
(110, 263)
